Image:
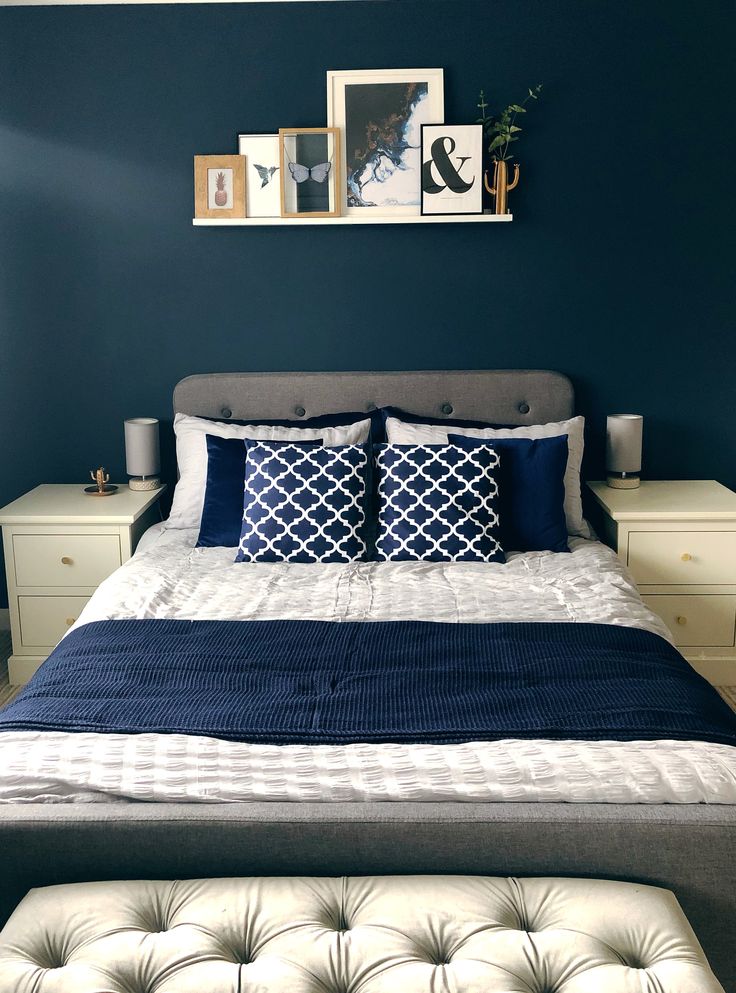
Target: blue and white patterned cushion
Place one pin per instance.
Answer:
(437, 503)
(303, 503)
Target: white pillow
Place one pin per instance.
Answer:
(401, 433)
(191, 455)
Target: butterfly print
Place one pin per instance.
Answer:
(301, 173)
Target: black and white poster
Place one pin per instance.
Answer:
(380, 113)
(452, 169)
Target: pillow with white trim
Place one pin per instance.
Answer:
(191, 454)
(437, 503)
(303, 503)
(402, 433)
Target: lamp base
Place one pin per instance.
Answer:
(623, 480)
(144, 482)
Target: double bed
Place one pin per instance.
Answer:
(85, 804)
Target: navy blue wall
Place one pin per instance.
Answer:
(615, 271)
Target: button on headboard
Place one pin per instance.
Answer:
(505, 396)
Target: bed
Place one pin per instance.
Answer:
(78, 806)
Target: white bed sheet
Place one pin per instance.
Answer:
(169, 577)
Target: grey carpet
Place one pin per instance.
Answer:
(7, 692)
(729, 695)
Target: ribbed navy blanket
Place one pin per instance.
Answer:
(321, 682)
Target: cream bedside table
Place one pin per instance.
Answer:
(678, 540)
(60, 543)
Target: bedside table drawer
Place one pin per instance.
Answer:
(697, 620)
(65, 560)
(44, 619)
(682, 557)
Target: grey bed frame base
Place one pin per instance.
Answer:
(689, 849)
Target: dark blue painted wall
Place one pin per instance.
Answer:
(616, 270)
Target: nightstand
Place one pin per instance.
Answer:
(60, 543)
(678, 539)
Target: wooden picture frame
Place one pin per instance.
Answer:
(304, 194)
(219, 186)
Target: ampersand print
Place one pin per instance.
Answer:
(442, 149)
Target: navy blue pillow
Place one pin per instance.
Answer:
(531, 484)
(303, 503)
(438, 503)
(222, 513)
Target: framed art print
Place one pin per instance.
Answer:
(452, 169)
(309, 164)
(380, 113)
(219, 186)
(262, 186)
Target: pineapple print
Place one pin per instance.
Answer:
(221, 194)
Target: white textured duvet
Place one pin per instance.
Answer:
(168, 577)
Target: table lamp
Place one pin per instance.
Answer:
(142, 456)
(623, 450)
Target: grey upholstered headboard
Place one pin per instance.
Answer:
(505, 396)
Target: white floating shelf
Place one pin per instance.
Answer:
(235, 222)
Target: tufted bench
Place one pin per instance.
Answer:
(362, 934)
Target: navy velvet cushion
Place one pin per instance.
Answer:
(222, 513)
(532, 491)
(438, 503)
(303, 503)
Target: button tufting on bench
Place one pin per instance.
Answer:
(286, 934)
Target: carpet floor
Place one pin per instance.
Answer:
(7, 692)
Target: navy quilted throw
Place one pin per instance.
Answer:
(285, 682)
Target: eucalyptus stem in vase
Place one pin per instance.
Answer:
(502, 129)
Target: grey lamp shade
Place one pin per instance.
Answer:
(623, 442)
(142, 456)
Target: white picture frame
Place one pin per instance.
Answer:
(382, 174)
(452, 169)
(263, 187)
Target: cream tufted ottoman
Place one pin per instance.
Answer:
(369, 934)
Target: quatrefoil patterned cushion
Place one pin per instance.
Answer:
(303, 503)
(438, 503)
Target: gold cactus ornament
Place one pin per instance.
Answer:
(503, 131)
(103, 486)
(501, 184)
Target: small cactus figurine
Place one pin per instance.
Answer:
(102, 485)
(501, 184)
(100, 477)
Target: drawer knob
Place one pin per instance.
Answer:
(686, 556)
(70, 621)
(66, 560)
(681, 620)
